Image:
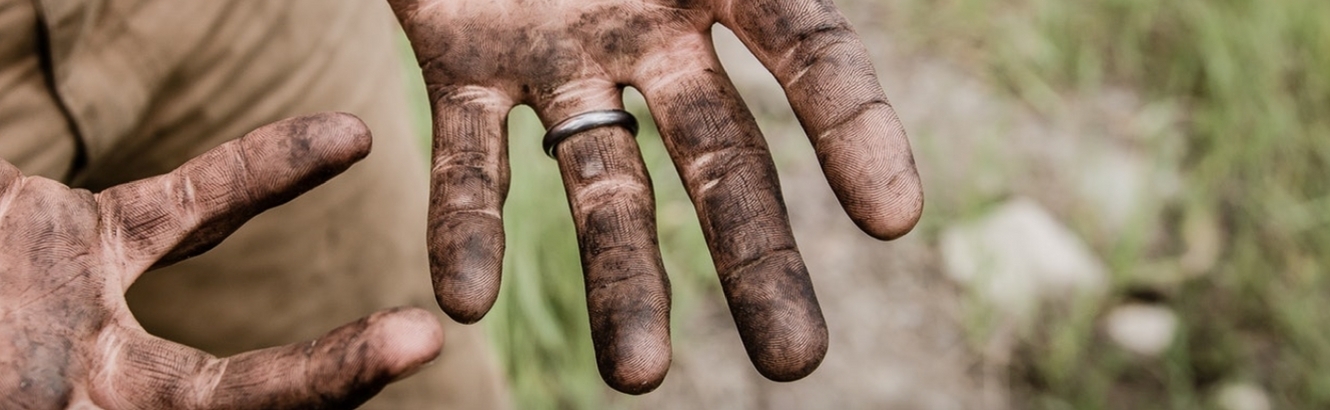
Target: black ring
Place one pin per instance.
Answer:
(585, 121)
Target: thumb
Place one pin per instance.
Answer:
(342, 369)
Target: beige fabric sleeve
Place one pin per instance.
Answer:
(136, 87)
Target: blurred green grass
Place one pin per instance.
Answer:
(1252, 82)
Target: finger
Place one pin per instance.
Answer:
(729, 174)
(188, 211)
(403, 7)
(8, 175)
(628, 294)
(340, 370)
(9, 190)
(468, 186)
(831, 85)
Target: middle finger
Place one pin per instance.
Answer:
(729, 174)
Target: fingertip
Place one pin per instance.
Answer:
(639, 373)
(466, 310)
(410, 338)
(465, 290)
(354, 133)
(868, 163)
(789, 348)
(466, 263)
(345, 133)
(416, 333)
(791, 355)
(465, 299)
(897, 218)
(778, 316)
(633, 349)
(323, 140)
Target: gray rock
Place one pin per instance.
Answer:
(1018, 256)
(1242, 396)
(1141, 328)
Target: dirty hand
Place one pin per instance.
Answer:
(67, 339)
(563, 58)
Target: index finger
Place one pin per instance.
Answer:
(171, 217)
(831, 85)
(469, 181)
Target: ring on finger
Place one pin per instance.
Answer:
(586, 121)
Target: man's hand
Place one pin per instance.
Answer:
(480, 58)
(67, 339)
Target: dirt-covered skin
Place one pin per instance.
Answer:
(67, 339)
(565, 57)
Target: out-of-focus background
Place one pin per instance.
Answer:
(1127, 208)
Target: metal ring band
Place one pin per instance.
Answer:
(586, 121)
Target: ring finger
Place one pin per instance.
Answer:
(613, 209)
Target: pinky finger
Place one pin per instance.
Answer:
(829, 79)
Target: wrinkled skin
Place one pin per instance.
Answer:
(67, 339)
(481, 58)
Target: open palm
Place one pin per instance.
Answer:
(68, 340)
(563, 58)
